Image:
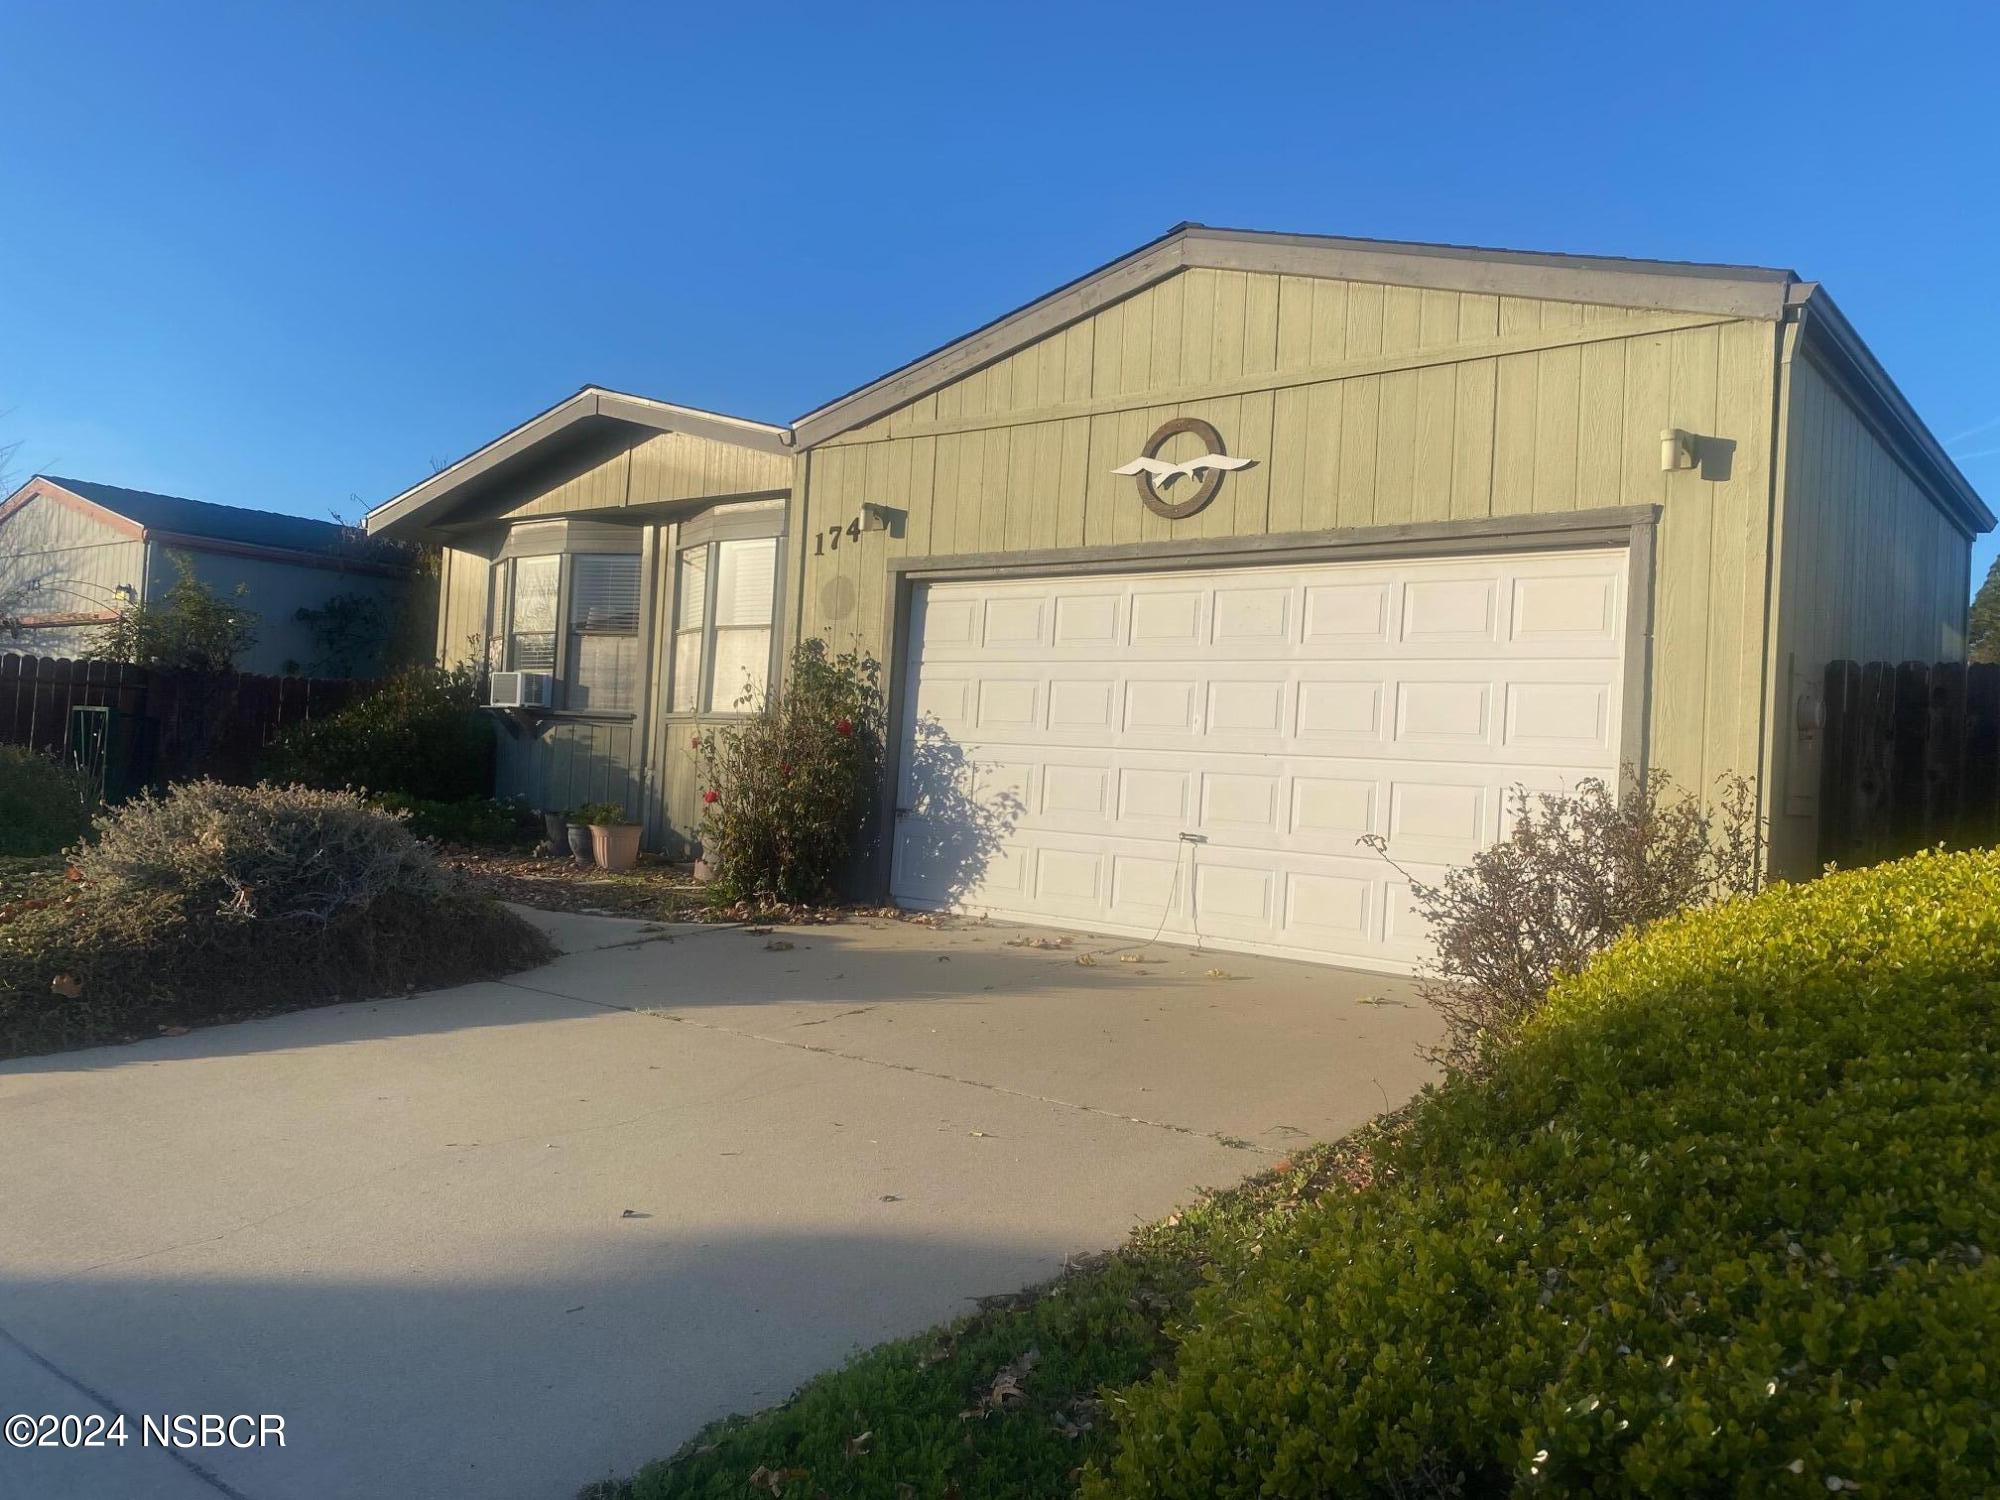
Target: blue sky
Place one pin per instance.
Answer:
(291, 256)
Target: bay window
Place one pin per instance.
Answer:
(576, 617)
(602, 672)
(725, 600)
(531, 626)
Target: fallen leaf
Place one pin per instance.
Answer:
(858, 1444)
(1135, 958)
(68, 986)
(1087, 960)
(892, 1197)
(1220, 974)
(173, 1031)
(1008, 1385)
(778, 945)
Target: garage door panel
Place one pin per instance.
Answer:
(1455, 611)
(1015, 622)
(1252, 614)
(1454, 715)
(1349, 616)
(1166, 618)
(1064, 734)
(1235, 899)
(1148, 892)
(1070, 792)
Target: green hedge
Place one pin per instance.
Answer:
(1726, 1221)
(419, 733)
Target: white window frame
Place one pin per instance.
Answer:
(502, 595)
(707, 535)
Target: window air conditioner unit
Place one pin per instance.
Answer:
(520, 690)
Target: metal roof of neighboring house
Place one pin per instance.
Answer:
(201, 525)
(204, 518)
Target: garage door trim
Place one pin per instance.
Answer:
(1633, 527)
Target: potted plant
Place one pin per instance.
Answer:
(576, 830)
(613, 838)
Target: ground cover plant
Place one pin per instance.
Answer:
(1721, 1220)
(1010, 1400)
(213, 902)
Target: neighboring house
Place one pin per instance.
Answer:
(88, 549)
(1484, 518)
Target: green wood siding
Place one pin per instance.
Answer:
(644, 764)
(570, 762)
(659, 469)
(464, 578)
(1364, 405)
(1871, 569)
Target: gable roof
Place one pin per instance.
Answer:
(1664, 285)
(202, 526)
(206, 521)
(590, 412)
(1764, 292)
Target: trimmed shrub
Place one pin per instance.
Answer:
(420, 733)
(43, 805)
(1723, 1221)
(1576, 872)
(215, 901)
(788, 794)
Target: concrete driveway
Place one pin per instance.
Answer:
(508, 1238)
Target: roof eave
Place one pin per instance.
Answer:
(414, 507)
(1827, 330)
(40, 485)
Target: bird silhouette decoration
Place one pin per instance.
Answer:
(1163, 474)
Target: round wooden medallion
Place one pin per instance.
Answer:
(1211, 481)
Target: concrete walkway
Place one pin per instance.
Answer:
(508, 1238)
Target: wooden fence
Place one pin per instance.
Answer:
(1911, 759)
(146, 726)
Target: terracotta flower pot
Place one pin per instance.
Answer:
(615, 844)
(580, 843)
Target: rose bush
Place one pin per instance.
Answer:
(788, 793)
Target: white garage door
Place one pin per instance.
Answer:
(1198, 753)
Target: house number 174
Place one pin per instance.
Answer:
(829, 539)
